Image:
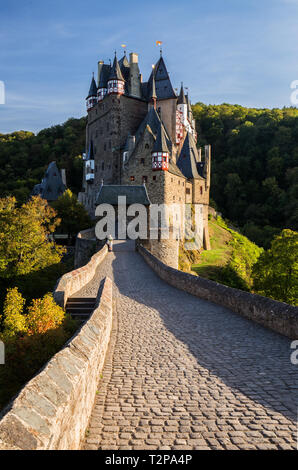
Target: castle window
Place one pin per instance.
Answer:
(154, 178)
(174, 197)
(201, 189)
(103, 166)
(143, 161)
(187, 190)
(179, 182)
(146, 146)
(132, 178)
(145, 179)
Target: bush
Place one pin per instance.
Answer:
(43, 315)
(13, 321)
(30, 338)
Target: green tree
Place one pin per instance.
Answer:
(275, 274)
(73, 214)
(25, 244)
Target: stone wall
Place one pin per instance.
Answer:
(85, 247)
(277, 316)
(72, 282)
(52, 411)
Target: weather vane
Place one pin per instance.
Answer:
(159, 43)
(124, 47)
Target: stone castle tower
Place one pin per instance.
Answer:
(142, 133)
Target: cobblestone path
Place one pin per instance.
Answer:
(183, 373)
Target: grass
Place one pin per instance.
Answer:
(211, 261)
(229, 261)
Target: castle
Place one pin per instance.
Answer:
(142, 134)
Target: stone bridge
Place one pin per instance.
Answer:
(184, 373)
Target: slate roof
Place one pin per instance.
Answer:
(51, 186)
(93, 88)
(164, 89)
(116, 73)
(152, 120)
(125, 67)
(160, 144)
(154, 123)
(189, 159)
(104, 76)
(108, 194)
(182, 99)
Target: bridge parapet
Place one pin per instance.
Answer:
(277, 316)
(52, 411)
(72, 282)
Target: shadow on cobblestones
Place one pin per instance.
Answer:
(245, 356)
(184, 373)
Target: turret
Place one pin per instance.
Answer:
(116, 80)
(153, 97)
(182, 107)
(91, 99)
(160, 151)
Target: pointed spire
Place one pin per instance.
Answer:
(153, 92)
(116, 71)
(164, 89)
(182, 98)
(93, 88)
(153, 96)
(160, 145)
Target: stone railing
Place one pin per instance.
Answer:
(52, 411)
(86, 244)
(72, 282)
(277, 316)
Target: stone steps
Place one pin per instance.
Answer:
(80, 308)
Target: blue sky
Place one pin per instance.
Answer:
(233, 51)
